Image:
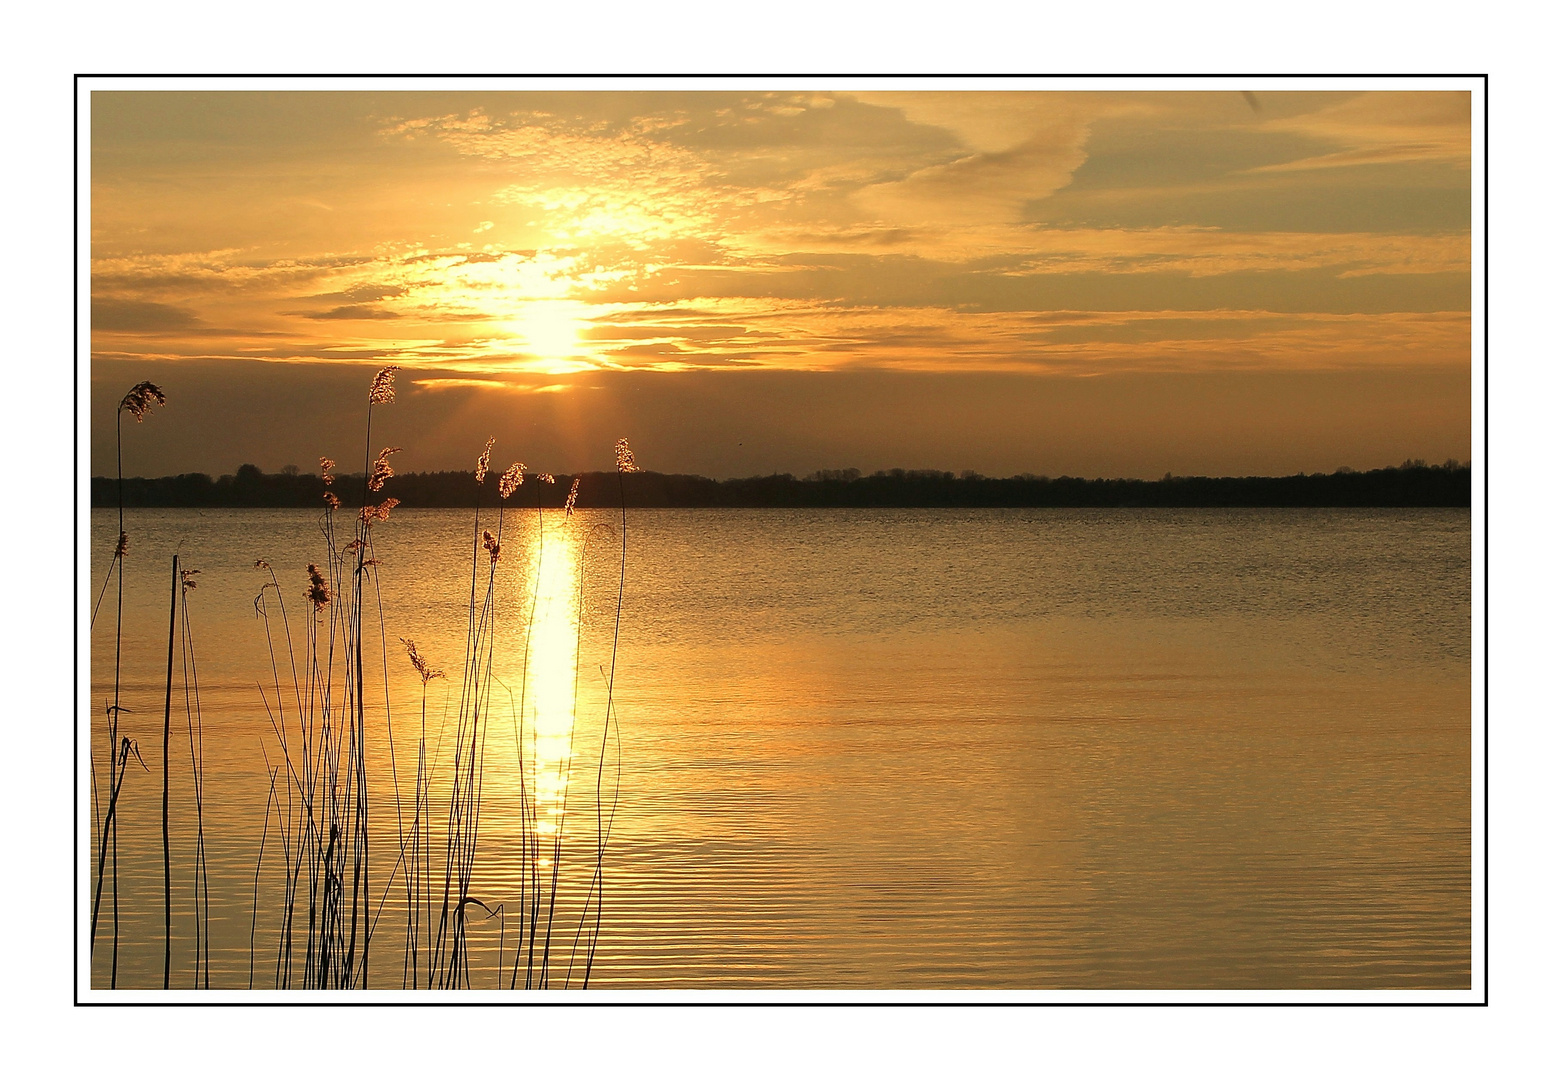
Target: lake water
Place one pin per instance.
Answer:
(861, 748)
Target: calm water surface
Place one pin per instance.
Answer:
(876, 748)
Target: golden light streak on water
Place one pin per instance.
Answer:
(551, 679)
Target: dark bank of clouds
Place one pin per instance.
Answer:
(135, 316)
(349, 311)
(740, 423)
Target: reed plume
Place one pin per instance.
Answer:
(424, 671)
(326, 465)
(569, 503)
(319, 591)
(482, 462)
(141, 398)
(490, 544)
(513, 477)
(625, 456)
(382, 470)
(382, 391)
(370, 514)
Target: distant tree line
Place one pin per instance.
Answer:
(1413, 483)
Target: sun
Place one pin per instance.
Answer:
(550, 331)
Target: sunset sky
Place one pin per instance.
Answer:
(1089, 283)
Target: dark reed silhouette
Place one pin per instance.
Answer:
(331, 902)
(137, 402)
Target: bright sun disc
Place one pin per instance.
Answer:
(550, 329)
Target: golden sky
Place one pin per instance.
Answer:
(1051, 282)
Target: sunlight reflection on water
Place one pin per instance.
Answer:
(552, 678)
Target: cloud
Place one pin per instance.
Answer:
(350, 311)
(186, 273)
(139, 316)
(1384, 129)
(489, 385)
(816, 231)
(1019, 147)
(989, 122)
(361, 294)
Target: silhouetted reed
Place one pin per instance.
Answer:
(314, 840)
(183, 581)
(127, 747)
(173, 608)
(192, 718)
(323, 824)
(625, 458)
(140, 398)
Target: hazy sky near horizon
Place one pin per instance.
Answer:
(1102, 283)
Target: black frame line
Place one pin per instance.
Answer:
(1484, 1002)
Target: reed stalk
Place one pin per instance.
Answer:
(197, 743)
(173, 607)
(137, 401)
(113, 718)
(127, 747)
(626, 464)
(254, 909)
(530, 841)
